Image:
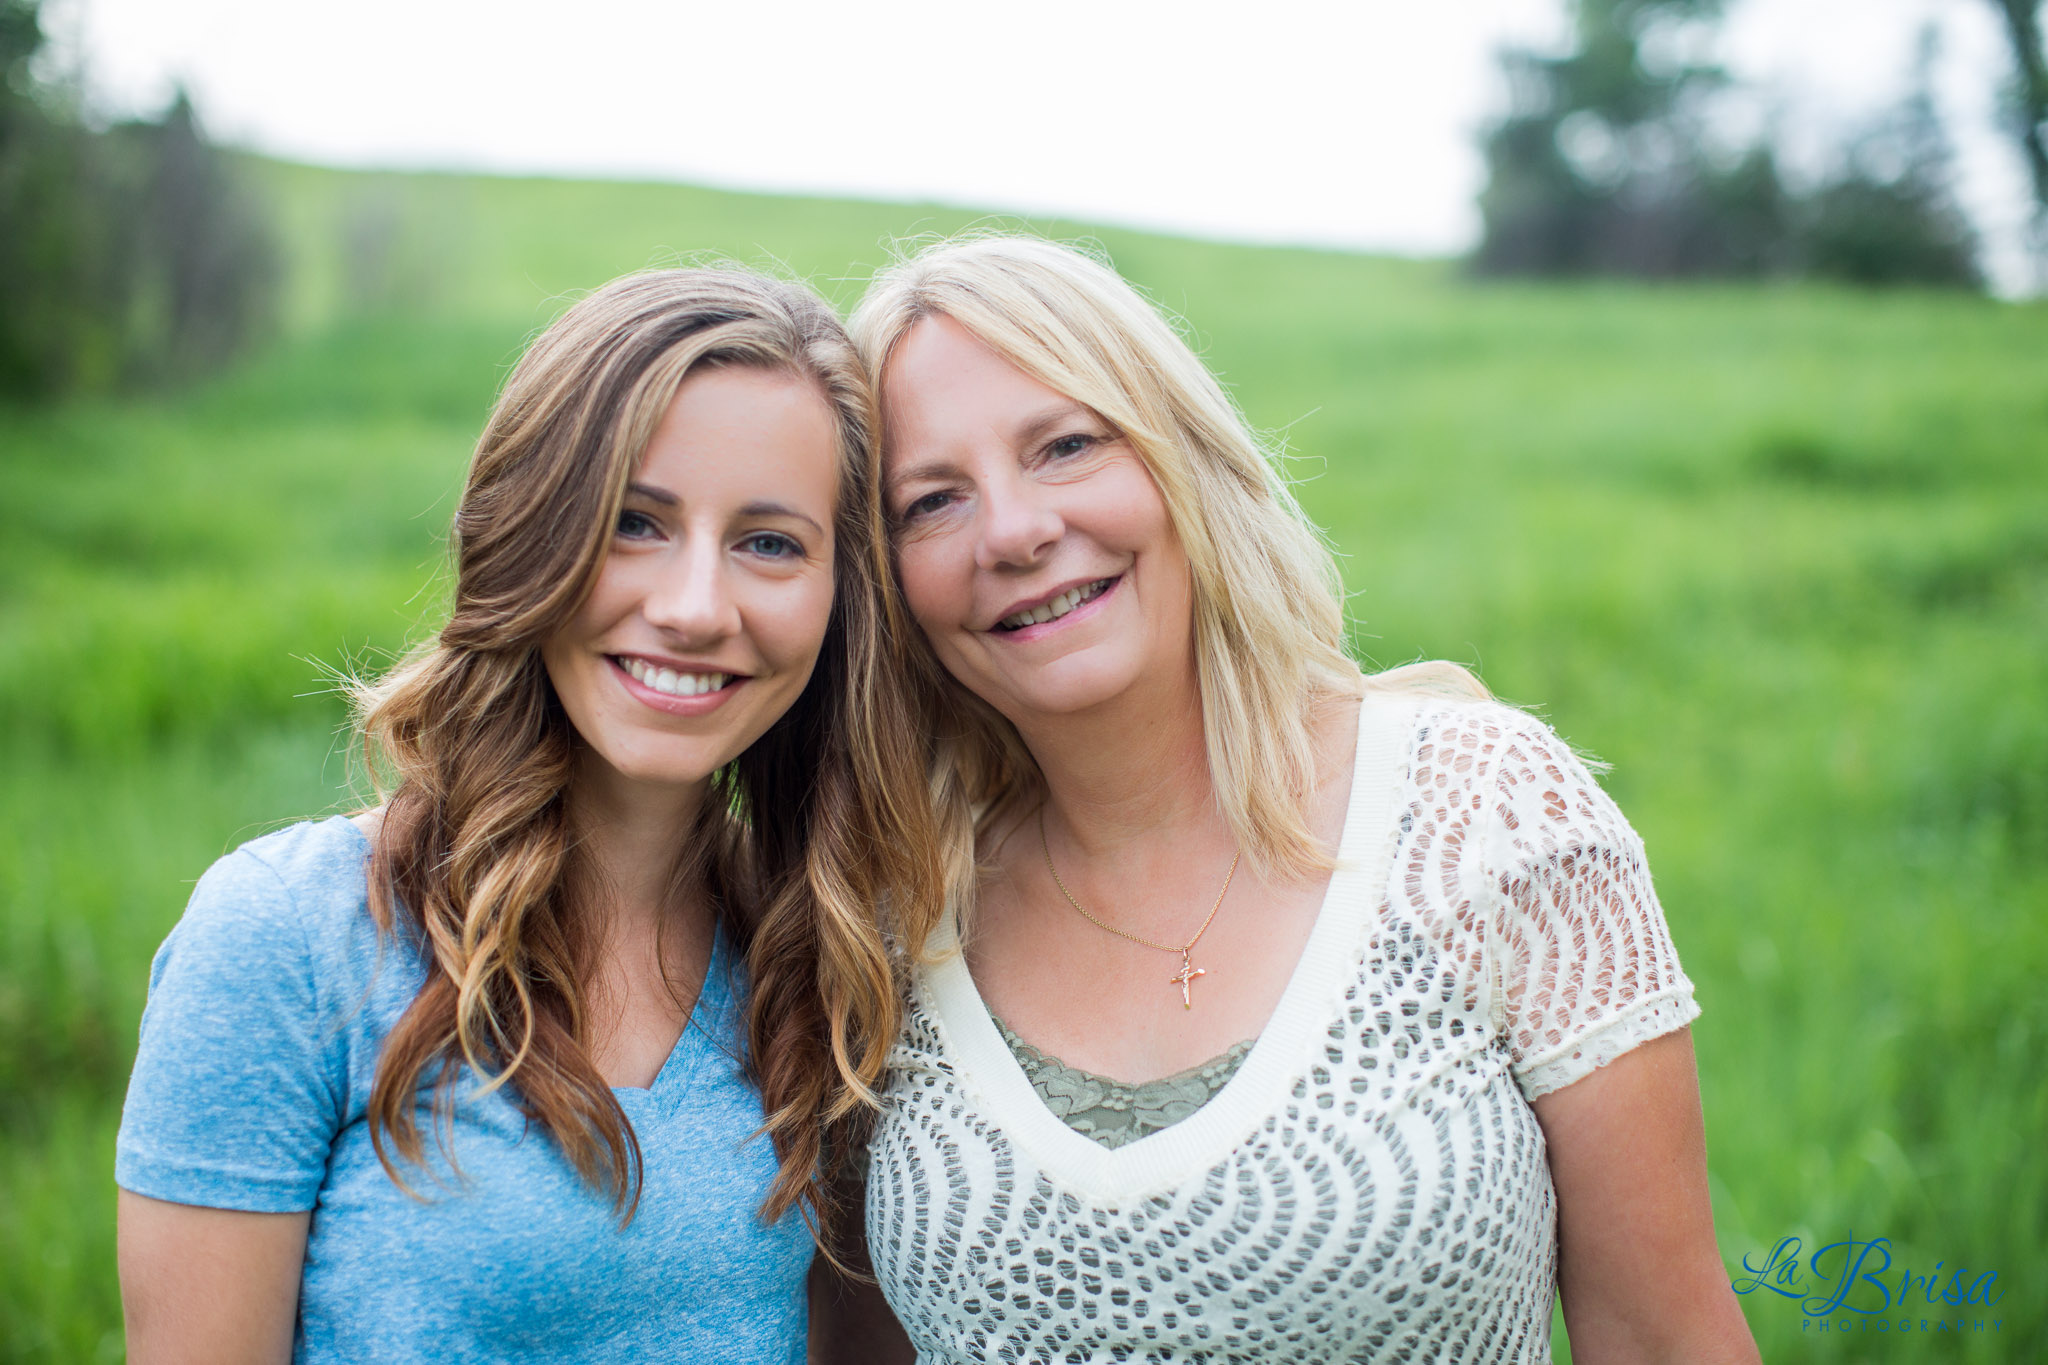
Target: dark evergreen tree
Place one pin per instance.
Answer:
(2026, 106)
(208, 264)
(1604, 163)
(1607, 163)
(128, 256)
(1890, 216)
(57, 305)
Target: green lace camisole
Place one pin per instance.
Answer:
(1114, 1112)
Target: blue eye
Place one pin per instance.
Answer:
(636, 525)
(772, 545)
(923, 507)
(1068, 446)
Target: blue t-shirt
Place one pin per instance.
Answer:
(268, 1005)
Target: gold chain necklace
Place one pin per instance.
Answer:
(1188, 971)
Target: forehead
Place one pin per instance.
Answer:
(944, 382)
(733, 433)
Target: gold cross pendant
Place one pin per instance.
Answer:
(1188, 972)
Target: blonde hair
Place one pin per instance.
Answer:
(799, 840)
(1268, 600)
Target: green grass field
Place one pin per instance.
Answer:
(1779, 554)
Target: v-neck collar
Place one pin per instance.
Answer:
(1173, 1154)
(708, 1014)
(711, 1011)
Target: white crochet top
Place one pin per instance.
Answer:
(1371, 1184)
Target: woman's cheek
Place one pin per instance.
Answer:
(814, 615)
(925, 574)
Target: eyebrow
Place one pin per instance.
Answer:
(1027, 432)
(779, 509)
(757, 508)
(652, 494)
(934, 470)
(1045, 419)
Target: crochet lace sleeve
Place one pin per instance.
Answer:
(1586, 968)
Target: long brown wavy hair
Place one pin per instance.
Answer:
(804, 833)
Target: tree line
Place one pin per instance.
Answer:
(1614, 159)
(130, 255)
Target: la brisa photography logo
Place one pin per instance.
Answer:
(1861, 1286)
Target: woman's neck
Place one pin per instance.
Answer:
(652, 940)
(1128, 772)
(631, 836)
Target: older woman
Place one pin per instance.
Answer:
(1278, 1013)
(612, 919)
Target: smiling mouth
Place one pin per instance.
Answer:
(1058, 607)
(670, 683)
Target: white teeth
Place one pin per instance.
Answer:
(672, 683)
(1058, 607)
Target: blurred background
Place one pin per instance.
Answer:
(1682, 366)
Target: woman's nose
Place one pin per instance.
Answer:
(1019, 524)
(691, 597)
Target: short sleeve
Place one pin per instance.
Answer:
(235, 1096)
(1586, 965)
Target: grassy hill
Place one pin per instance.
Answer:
(1779, 554)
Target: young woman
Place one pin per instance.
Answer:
(473, 1075)
(1279, 1013)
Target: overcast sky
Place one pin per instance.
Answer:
(1341, 122)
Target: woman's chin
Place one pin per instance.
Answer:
(1066, 692)
(650, 771)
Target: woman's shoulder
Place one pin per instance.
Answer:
(301, 890)
(1474, 757)
(1446, 714)
(260, 1010)
(310, 851)
(305, 863)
